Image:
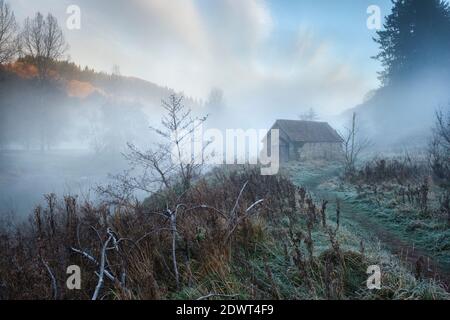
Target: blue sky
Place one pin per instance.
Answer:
(316, 53)
(342, 22)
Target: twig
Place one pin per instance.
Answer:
(102, 267)
(254, 205)
(238, 198)
(52, 277)
(203, 206)
(151, 233)
(240, 219)
(173, 225)
(211, 295)
(92, 259)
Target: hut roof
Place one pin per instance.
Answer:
(308, 131)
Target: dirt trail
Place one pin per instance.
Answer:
(406, 252)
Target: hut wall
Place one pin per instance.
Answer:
(319, 151)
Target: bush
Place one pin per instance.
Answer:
(150, 251)
(401, 171)
(234, 233)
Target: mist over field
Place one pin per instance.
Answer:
(279, 71)
(98, 99)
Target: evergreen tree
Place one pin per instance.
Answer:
(416, 38)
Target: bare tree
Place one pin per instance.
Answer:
(8, 33)
(310, 115)
(170, 162)
(115, 71)
(43, 41)
(439, 148)
(353, 146)
(177, 132)
(443, 128)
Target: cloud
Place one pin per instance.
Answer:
(194, 45)
(190, 45)
(295, 74)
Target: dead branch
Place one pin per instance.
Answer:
(238, 221)
(52, 277)
(102, 267)
(93, 260)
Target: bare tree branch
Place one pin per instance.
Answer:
(43, 41)
(102, 267)
(8, 33)
(354, 145)
(53, 279)
(167, 163)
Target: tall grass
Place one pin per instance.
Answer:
(233, 234)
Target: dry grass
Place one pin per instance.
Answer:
(234, 233)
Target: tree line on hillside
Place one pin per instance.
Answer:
(43, 117)
(412, 107)
(415, 44)
(38, 111)
(415, 40)
(35, 109)
(414, 52)
(40, 38)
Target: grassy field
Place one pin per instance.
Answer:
(271, 263)
(380, 215)
(234, 234)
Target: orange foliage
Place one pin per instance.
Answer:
(23, 70)
(80, 89)
(74, 88)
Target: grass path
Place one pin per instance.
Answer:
(363, 222)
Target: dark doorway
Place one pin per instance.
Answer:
(284, 153)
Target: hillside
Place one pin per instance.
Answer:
(404, 112)
(75, 107)
(82, 82)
